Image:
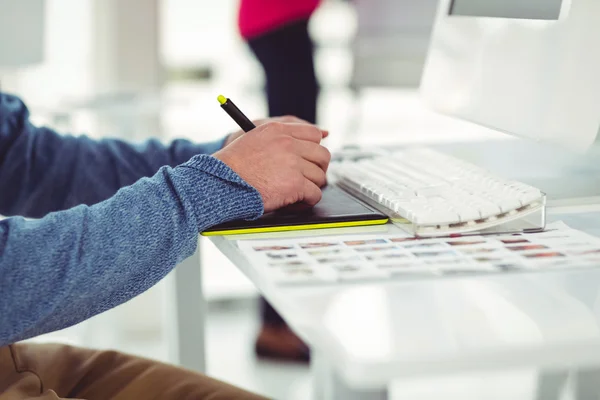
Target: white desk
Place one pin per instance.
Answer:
(365, 335)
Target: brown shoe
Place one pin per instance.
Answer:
(278, 342)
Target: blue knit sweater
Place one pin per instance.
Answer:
(113, 219)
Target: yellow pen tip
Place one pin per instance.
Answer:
(222, 99)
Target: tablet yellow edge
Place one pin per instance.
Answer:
(295, 227)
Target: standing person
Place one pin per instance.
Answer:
(277, 33)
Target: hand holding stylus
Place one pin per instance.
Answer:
(283, 161)
(282, 158)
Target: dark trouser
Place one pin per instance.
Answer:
(286, 55)
(53, 372)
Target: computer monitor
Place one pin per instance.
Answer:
(530, 68)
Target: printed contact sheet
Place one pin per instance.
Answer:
(333, 259)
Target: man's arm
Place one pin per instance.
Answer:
(42, 172)
(71, 265)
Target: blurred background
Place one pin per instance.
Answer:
(140, 68)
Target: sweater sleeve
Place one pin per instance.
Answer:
(70, 265)
(42, 171)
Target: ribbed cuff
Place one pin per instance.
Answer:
(217, 194)
(216, 167)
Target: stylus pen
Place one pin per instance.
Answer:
(235, 113)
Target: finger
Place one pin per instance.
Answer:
(262, 121)
(292, 119)
(313, 173)
(311, 193)
(306, 132)
(283, 119)
(315, 153)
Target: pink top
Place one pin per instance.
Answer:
(257, 17)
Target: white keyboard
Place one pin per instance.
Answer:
(437, 193)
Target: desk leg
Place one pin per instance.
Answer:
(327, 385)
(587, 384)
(190, 313)
(550, 384)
